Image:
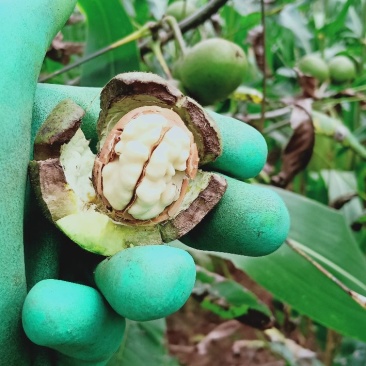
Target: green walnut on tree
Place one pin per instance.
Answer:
(82, 323)
(314, 66)
(211, 70)
(342, 69)
(180, 9)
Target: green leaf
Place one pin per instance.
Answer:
(332, 127)
(351, 352)
(335, 26)
(230, 300)
(354, 22)
(107, 22)
(238, 26)
(143, 343)
(323, 234)
(341, 183)
(138, 10)
(291, 18)
(245, 93)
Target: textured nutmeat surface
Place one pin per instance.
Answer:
(144, 172)
(142, 186)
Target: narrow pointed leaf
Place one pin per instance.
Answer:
(107, 23)
(143, 343)
(323, 234)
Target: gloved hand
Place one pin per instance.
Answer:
(146, 282)
(72, 318)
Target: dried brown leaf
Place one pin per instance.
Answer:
(75, 19)
(222, 331)
(299, 149)
(301, 112)
(342, 200)
(256, 39)
(61, 51)
(308, 84)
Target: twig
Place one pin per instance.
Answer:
(264, 83)
(358, 298)
(172, 22)
(268, 115)
(159, 56)
(185, 25)
(189, 23)
(333, 340)
(142, 32)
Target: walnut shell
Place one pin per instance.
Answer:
(67, 176)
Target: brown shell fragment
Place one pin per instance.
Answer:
(204, 129)
(56, 199)
(58, 129)
(189, 217)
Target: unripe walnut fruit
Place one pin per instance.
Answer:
(144, 186)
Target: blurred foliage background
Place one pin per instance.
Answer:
(304, 304)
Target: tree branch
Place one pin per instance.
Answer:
(185, 25)
(264, 82)
(189, 23)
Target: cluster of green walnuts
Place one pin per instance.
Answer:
(340, 69)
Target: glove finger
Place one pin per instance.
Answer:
(72, 319)
(42, 243)
(22, 51)
(249, 220)
(244, 149)
(146, 282)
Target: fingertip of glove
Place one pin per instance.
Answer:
(73, 319)
(147, 282)
(250, 220)
(244, 148)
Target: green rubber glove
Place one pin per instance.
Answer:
(71, 318)
(27, 27)
(148, 282)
